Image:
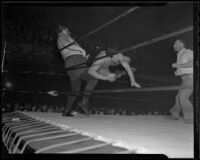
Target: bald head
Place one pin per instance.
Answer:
(179, 45)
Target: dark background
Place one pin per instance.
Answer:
(153, 62)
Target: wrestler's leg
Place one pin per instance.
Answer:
(90, 85)
(175, 110)
(74, 80)
(75, 86)
(187, 106)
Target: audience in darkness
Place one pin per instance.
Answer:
(97, 110)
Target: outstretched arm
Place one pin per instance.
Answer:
(130, 74)
(189, 64)
(93, 70)
(125, 63)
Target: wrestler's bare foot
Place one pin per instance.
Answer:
(83, 107)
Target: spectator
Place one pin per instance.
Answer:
(149, 113)
(44, 108)
(124, 112)
(112, 111)
(16, 107)
(101, 113)
(34, 107)
(50, 109)
(38, 110)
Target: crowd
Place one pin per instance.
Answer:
(97, 110)
(20, 36)
(35, 107)
(19, 31)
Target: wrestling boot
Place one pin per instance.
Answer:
(172, 117)
(67, 114)
(188, 121)
(84, 107)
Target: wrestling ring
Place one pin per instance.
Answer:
(38, 132)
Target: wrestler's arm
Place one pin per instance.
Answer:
(73, 47)
(129, 71)
(104, 74)
(77, 48)
(188, 64)
(185, 65)
(93, 70)
(130, 74)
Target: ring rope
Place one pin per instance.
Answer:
(166, 36)
(130, 90)
(36, 72)
(126, 82)
(3, 58)
(102, 26)
(123, 90)
(139, 45)
(94, 96)
(62, 74)
(127, 99)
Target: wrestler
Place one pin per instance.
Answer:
(74, 55)
(100, 69)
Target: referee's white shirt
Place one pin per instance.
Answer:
(184, 56)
